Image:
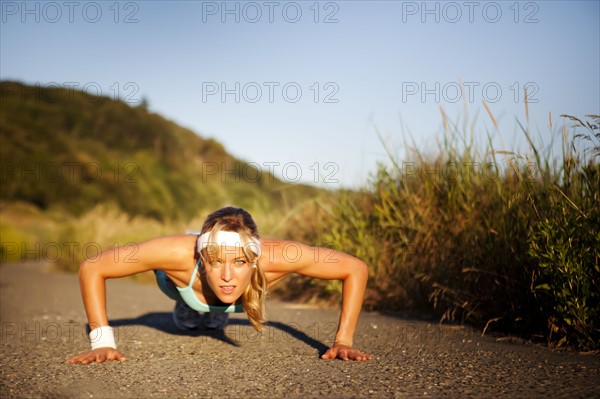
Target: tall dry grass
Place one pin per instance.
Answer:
(487, 236)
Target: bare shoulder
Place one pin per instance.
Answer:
(286, 256)
(272, 257)
(282, 257)
(172, 252)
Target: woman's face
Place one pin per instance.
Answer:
(228, 273)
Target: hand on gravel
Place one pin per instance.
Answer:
(98, 355)
(345, 352)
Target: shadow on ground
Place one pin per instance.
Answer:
(163, 321)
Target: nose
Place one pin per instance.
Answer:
(227, 272)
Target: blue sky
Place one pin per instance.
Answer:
(302, 88)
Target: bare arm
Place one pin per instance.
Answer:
(327, 264)
(159, 253)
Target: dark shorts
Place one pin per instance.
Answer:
(167, 286)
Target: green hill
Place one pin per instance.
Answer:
(64, 149)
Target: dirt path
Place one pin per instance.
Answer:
(42, 324)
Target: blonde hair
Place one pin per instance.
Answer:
(240, 221)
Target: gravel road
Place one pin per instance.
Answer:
(43, 323)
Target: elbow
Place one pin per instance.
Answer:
(86, 270)
(365, 269)
(361, 270)
(83, 270)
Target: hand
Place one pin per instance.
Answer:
(98, 355)
(345, 352)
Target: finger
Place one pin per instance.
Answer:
(77, 359)
(343, 355)
(353, 354)
(363, 357)
(73, 360)
(89, 359)
(116, 355)
(330, 354)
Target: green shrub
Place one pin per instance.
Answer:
(566, 280)
(565, 244)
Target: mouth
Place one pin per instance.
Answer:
(227, 289)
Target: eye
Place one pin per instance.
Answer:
(240, 261)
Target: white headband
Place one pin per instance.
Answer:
(229, 239)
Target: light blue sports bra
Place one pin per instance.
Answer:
(189, 297)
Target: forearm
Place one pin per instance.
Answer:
(93, 293)
(353, 292)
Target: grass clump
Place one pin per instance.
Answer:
(501, 240)
(565, 244)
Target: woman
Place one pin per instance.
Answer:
(226, 268)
